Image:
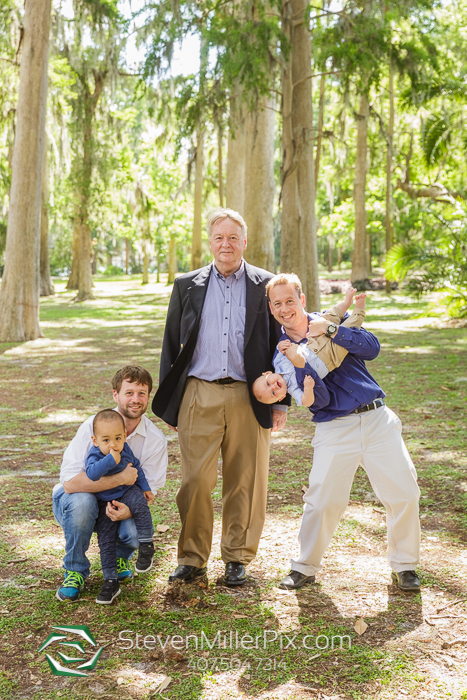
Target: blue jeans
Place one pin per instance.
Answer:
(76, 513)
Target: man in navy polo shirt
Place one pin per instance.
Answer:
(354, 428)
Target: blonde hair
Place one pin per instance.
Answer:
(285, 278)
(220, 214)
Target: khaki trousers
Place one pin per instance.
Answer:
(374, 440)
(215, 417)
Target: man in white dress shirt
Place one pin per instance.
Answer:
(74, 502)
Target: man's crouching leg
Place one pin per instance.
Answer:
(76, 514)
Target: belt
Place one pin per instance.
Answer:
(224, 380)
(369, 406)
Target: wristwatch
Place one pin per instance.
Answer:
(332, 328)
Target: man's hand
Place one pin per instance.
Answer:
(279, 419)
(129, 475)
(316, 327)
(116, 455)
(117, 510)
(149, 496)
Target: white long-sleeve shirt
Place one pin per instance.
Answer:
(148, 443)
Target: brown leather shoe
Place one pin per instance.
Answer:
(406, 580)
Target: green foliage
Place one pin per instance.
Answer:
(435, 138)
(437, 264)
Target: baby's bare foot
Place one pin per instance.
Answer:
(349, 295)
(360, 300)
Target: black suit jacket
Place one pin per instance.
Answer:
(262, 334)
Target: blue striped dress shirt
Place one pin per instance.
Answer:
(220, 345)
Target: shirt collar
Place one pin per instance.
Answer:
(236, 275)
(310, 316)
(140, 429)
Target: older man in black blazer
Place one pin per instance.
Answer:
(219, 337)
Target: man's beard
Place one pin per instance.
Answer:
(132, 413)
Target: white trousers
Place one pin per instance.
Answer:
(372, 439)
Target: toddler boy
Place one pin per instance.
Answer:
(320, 352)
(109, 456)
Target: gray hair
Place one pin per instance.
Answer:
(220, 214)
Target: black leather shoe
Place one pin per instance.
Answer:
(406, 580)
(235, 574)
(186, 573)
(295, 579)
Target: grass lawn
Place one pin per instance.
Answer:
(271, 643)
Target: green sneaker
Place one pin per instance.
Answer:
(124, 571)
(71, 587)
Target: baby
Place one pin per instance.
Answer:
(109, 456)
(320, 352)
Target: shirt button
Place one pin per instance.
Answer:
(351, 391)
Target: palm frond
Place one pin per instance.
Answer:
(436, 135)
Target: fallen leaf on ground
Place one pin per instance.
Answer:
(304, 488)
(164, 684)
(360, 626)
(162, 528)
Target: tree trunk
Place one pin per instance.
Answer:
(330, 252)
(146, 263)
(73, 279)
(359, 256)
(47, 288)
(220, 167)
(196, 245)
(388, 217)
(235, 184)
(299, 252)
(159, 264)
(19, 293)
(319, 140)
(172, 260)
(339, 257)
(259, 184)
(81, 271)
(127, 256)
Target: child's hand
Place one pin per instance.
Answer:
(308, 382)
(283, 345)
(149, 496)
(308, 397)
(116, 455)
